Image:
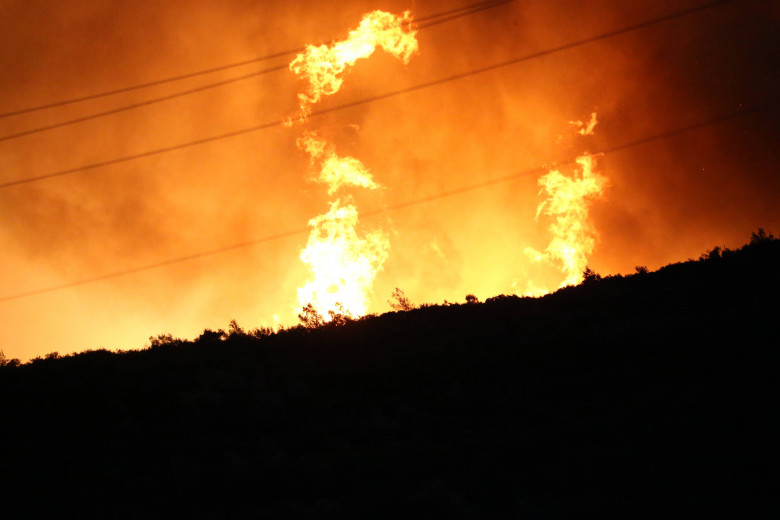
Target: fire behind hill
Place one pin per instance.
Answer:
(651, 392)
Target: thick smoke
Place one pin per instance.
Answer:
(669, 199)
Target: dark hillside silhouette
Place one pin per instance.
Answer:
(652, 394)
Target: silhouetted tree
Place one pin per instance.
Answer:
(5, 362)
(711, 254)
(641, 269)
(589, 275)
(339, 316)
(400, 302)
(310, 318)
(761, 236)
(234, 329)
(470, 298)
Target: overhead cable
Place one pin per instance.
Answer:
(767, 107)
(371, 99)
(422, 23)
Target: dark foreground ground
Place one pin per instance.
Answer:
(650, 395)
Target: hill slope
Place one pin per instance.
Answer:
(650, 393)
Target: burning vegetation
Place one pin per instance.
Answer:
(574, 237)
(344, 264)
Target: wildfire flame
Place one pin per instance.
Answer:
(335, 171)
(574, 237)
(342, 263)
(586, 128)
(323, 66)
(568, 200)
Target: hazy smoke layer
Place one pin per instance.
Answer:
(672, 194)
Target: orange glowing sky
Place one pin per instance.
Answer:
(222, 223)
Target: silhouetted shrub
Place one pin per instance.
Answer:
(502, 298)
(211, 336)
(163, 340)
(262, 332)
(339, 317)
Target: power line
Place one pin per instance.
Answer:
(432, 20)
(422, 23)
(155, 265)
(421, 86)
(140, 104)
(436, 19)
(766, 107)
(144, 85)
(141, 155)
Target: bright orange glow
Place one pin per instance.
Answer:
(574, 237)
(323, 66)
(344, 265)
